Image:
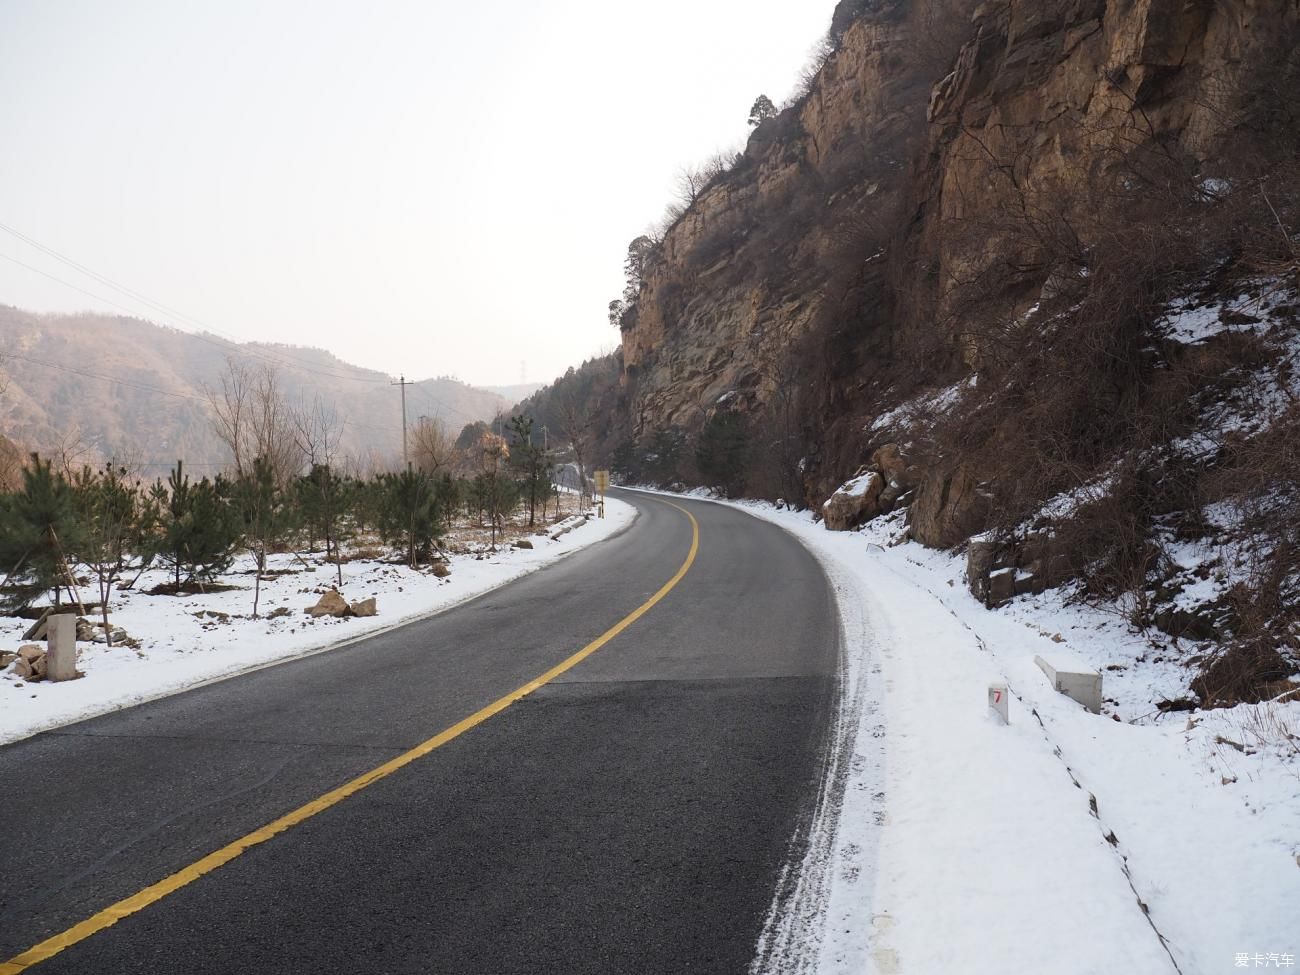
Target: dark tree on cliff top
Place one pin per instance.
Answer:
(762, 111)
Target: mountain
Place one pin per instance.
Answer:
(101, 386)
(1028, 270)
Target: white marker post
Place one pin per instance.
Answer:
(998, 702)
(61, 648)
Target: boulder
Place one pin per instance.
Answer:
(1002, 586)
(6, 658)
(441, 570)
(30, 664)
(949, 505)
(523, 543)
(855, 502)
(981, 557)
(364, 607)
(330, 604)
(894, 465)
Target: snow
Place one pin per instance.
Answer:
(857, 487)
(1189, 320)
(181, 648)
(1064, 505)
(931, 404)
(945, 841)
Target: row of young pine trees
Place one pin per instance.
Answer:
(110, 527)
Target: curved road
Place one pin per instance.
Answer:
(630, 815)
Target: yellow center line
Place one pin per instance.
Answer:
(152, 894)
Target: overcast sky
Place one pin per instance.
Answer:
(416, 185)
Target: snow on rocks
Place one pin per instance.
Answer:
(1191, 320)
(192, 639)
(854, 503)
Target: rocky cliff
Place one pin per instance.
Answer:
(945, 159)
(1027, 271)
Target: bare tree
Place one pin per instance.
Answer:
(230, 411)
(433, 449)
(576, 424)
(252, 418)
(71, 452)
(694, 180)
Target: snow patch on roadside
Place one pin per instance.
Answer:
(1065, 842)
(183, 647)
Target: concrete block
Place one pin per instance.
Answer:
(61, 651)
(999, 703)
(1073, 679)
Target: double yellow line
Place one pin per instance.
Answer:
(155, 892)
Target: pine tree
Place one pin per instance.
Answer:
(762, 111)
(107, 506)
(722, 453)
(322, 497)
(532, 462)
(199, 527)
(267, 519)
(38, 528)
(409, 513)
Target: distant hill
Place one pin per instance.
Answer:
(127, 388)
(516, 393)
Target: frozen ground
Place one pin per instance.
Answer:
(1062, 843)
(182, 645)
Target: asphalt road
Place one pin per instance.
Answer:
(632, 815)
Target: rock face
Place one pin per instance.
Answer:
(832, 243)
(730, 290)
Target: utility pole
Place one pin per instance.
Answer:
(401, 381)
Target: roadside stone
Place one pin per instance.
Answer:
(31, 652)
(365, 607)
(523, 543)
(981, 556)
(30, 665)
(441, 570)
(6, 658)
(855, 502)
(1002, 586)
(330, 604)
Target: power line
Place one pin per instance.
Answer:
(68, 284)
(108, 379)
(279, 358)
(147, 388)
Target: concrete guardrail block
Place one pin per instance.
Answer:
(1073, 679)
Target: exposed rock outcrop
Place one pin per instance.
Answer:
(837, 239)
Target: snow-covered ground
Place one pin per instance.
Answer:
(193, 639)
(1064, 842)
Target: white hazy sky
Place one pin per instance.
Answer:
(420, 187)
